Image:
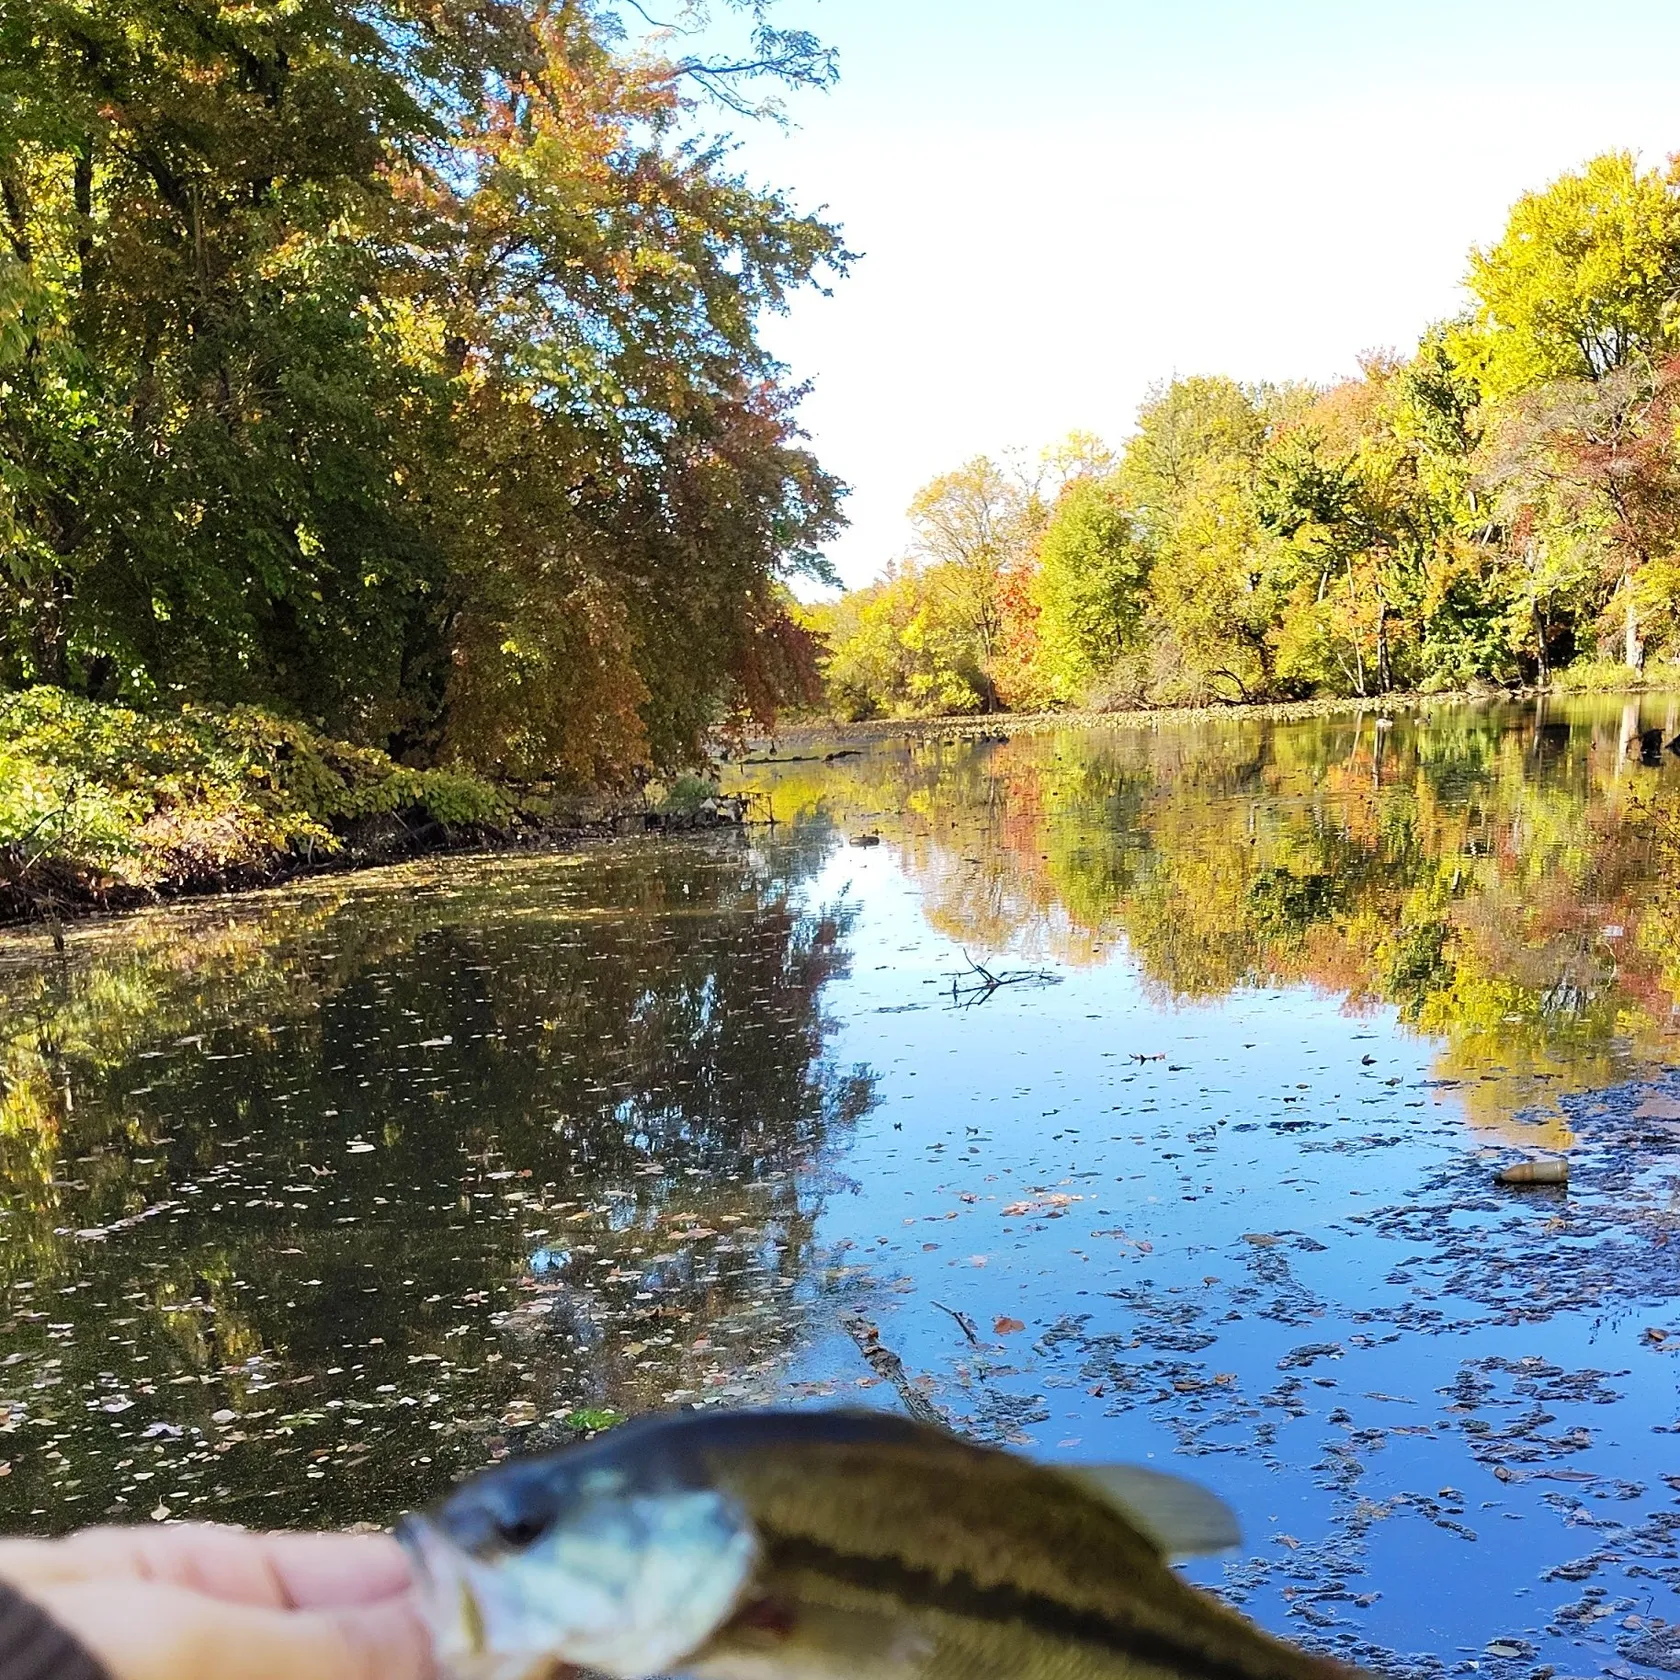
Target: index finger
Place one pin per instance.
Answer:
(284, 1571)
(328, 1571)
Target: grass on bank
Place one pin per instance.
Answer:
(95, 798)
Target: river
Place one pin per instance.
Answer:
(1145, 1088)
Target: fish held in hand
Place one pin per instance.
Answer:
(828, 1546)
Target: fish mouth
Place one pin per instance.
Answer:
(453, 1611)
(414, 1535)
(430, 1560)
(445, 1592)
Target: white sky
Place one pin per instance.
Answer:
(1061, 202)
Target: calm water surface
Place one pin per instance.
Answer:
(313, 1201)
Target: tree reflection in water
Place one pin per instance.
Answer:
(274, 1174)
(1494, 871)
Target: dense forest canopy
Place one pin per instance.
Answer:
(395, 365)
(1499, 507)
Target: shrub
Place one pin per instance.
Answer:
(140, 798)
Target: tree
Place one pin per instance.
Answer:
(901, 647)
(1585, 279)
(1181, 426)
(1190, 474)
(1213, 587)
(972, 527)
(1597, 461)
(396, 365)
(1089, 588)
(1577, 308)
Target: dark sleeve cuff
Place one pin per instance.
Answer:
(34, 1647)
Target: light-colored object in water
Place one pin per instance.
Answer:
(1536, 1172)
(828, 1546)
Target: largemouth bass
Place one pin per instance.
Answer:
(828, 1546)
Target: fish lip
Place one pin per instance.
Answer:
(409, 1532)
(444, 1591)
(424, 1548)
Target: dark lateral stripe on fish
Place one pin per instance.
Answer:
(959, 1594)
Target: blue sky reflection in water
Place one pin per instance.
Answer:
(316, 1200)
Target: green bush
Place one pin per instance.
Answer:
(687, 794)
(141, 798)
(1611, 676)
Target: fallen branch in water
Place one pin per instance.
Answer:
(980, 983)
(886, 1364)
(964, 1322)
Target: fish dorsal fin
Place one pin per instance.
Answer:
(1183, 1519)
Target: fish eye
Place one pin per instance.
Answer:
(519, 1529)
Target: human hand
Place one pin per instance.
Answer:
(205, 1603)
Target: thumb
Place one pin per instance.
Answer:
(144, 1631)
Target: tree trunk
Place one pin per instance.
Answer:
(1633, 649)
(50, 634)
(1353, 621)
(82, 192)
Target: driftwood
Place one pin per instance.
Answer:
(809, 758)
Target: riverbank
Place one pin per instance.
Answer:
(801, 737)
(106, 809)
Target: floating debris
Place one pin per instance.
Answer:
(1535, 1172)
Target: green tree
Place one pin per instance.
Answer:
(396, 365)
(1089, 587)
(972, 528)
(1180, 427)
(902, 647)
(1577, 310)
(1190, 471)
(1584, 280)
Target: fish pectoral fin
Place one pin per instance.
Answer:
(1181, 1517)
